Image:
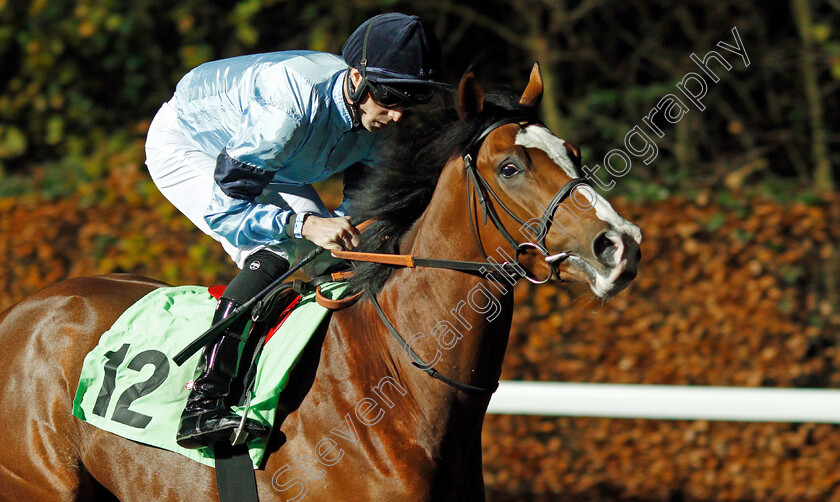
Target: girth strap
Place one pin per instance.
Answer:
(418, 361)
(235, 478)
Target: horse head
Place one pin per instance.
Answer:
(529, 183)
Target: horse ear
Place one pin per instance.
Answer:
(470, 96)
(534, 91)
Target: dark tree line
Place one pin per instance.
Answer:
(77, 75)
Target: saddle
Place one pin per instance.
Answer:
(268, 315)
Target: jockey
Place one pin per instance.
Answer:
(237, 148)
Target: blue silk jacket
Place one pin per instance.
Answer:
(270, 118)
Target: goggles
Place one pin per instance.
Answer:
(393, 97)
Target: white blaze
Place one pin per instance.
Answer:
(539, 137)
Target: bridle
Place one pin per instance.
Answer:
(481, 189)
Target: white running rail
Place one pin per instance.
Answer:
(669, 402)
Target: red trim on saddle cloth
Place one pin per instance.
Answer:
(218, 290)
(282, 318)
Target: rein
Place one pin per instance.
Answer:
(418, 361)
(481, 189)
(410, 261)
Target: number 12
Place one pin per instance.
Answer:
(121, 412)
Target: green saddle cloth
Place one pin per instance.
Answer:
(129, 385)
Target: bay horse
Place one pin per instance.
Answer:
(368, 424)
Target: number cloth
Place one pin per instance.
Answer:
(129, 385)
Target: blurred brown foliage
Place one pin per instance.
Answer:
(728, 294)
(121, 225)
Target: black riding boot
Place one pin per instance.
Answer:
(207, 418)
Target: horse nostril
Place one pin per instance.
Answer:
(603, 247)
(627, 276)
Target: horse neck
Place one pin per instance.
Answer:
(461, 318)
(433, 428)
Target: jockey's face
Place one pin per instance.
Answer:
(373, 116)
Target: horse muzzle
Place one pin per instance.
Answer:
(612, 267)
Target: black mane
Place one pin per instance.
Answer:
(397, 191)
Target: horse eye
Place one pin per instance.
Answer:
(509, 170)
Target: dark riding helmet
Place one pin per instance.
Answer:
(399, 60)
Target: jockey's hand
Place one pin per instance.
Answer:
(330, 233)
